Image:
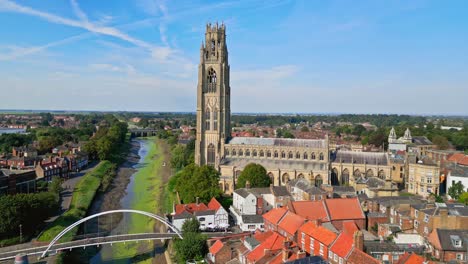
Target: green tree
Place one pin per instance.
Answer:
(192, 247)
(463, 198)
(195, 181)
(304, 129)
(358, 130)
(55, 186)
(441, 142)
(254, 173)
(191, 226)
(178, 159)
(456, 190)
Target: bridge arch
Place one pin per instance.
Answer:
(66, 230)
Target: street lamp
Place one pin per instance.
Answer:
(21, 232)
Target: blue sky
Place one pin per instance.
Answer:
(286, 56)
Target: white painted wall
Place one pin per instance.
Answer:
(454, 179)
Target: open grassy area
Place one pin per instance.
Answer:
(83, 195)
(146, 188)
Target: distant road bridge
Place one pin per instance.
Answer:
(97, 239)
(143, 132)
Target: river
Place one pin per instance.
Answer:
(136, 186)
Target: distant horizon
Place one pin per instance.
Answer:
(38, 111)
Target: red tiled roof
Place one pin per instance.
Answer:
(456, 157)
(275, 215)
(350, 227)
(464, 161)
(262, 236)
(216, 247)
(190, 208)
(344, 208)
(308, 227)
(343, 245)
(311, 210)
(214, 204)
(291, 223)
(411, 258)
(358, 257)
(272, 243)
(323, 235)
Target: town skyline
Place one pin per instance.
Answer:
(143, 56)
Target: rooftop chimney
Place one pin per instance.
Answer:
(358, 240)
(247, 184)
(301, 254)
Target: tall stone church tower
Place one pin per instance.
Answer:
(213, 98)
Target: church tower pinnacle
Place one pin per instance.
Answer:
(213, 97)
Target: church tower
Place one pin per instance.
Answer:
(213, 98)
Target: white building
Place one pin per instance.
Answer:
(457, 173)
(211, 216)
(249, 204)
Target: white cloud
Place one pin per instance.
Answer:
(14, 52)
(127, 68)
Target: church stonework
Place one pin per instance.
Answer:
(283, 159)
(213, 98)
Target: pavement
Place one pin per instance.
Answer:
(67, 192)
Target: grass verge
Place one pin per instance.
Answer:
(83, 196)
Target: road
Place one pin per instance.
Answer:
(67, 193)
(93, 241)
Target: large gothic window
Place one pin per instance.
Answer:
(211, 81)
(215, 119)
(211, 155)
(321, 156)
(207, 119)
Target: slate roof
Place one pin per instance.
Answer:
(183, 215)
(244, 192)
(204, 212)
(380, 158)
(252, 219)
(305, 186)
(280, 191)
(252, 242)
(446, 236)
(286, 142)
(421, 140)
(308, 260)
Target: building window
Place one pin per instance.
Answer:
(426, 230)
(201, 219)
(312, 156)
(341, 260)
(254, 153)
(306, 156)
(321, 250)
(241, 152)
(268, 154)
(335, 257)
(262, 153)
(416, 223)
(215, 120)
(459, 256)
(283, 154)
(276, 154)
(311, 246)
(429, 179)
(330, 255)
(247, 153)
(211, 80)
(211, 155)
(234, 152)
(226, 152)
(298, 155)
(416, 213)
(321, 156)
(207, 119)
(251, 227)
(426, 218)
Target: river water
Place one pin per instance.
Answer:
(108, 253)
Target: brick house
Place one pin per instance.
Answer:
(448, 245)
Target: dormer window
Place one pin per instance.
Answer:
(456, 241)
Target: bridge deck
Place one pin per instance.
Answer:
(95, 241)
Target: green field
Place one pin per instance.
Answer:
(83, 196)
(147, 182)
